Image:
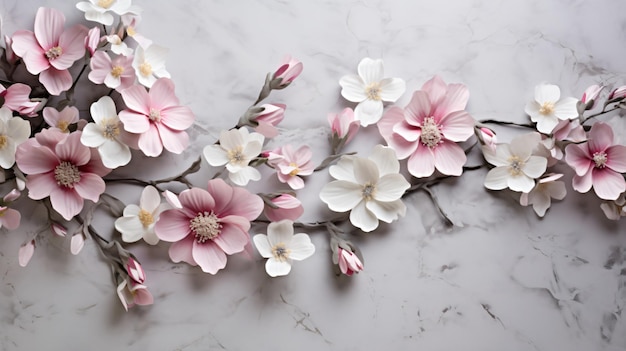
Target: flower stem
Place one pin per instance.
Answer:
(495, 121)
(604, 111)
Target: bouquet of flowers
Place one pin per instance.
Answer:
(53, 154)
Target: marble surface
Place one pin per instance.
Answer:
(502, 279)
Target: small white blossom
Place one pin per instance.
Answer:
(13, 131)
(149, 64)
(280, 246)
(236, 149)
(548, 108)
(138, 221)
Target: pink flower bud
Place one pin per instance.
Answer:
(343, 124)
(289, 70)
(349, 263)
(271, 116)
(58, 229)
(11, 196)
(618, 93)
(489, 138)
(591, 93)
(135, 271)
(92, 40)
(26, 253)
(288, 207)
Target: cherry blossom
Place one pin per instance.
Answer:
(61, 119)
(118, 47)
(51, 50)
(281, 247)
(236, 148)
(291, 165)
(598, 163)
(138, 221)
(211, 224)
(13, 132)
(157, 117)
(516, 166)
(283, 206)
(369, 89)
(371, 188)
(116, 74)
(149, 64)
(547, 109)
(427, 130)
(547, 188)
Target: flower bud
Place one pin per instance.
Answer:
(11, 196)
(58, 229)
(284, 206)
(618, 93)
(488, 138)
(135, 271)
(289, 70)
(590, 95)
(269, 118)
(344, 124)
(26, 253)
(349, 262)
(10, 55)
(92, 40)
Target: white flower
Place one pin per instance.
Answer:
(280, 246)
(149, 64)
(370, 89)
(516, 167)
(99, 10)
(540, 197)
(236, 149)
(616, 209)
(138, 221)
(370, 187)
(547, 110)
(106, 134)
(13, 131)
(118, 46)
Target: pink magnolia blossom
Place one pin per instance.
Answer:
(116, 74)
(569, 130)
(344, 125)
(291, 165)
(131, 294)
(61, 119)
(59, 166)
(271, 116)
(51, 50)
(618, 93)
(287, 206)
(17, 98)
(591, 95)
(157, 117)
(289, 70)
(211, 224)
(92, 40)
(135, 271)
(598, 163)
(349, 262)
(427, 130)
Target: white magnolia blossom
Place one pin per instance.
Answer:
(100, 10)
(13, 131)
(280, 246)
(106, 134)
(516, 166)
(236, 149)
(547, 188)
(371, 188)
(369, 89)
(548, 108)
(138, 221)
(149, 64)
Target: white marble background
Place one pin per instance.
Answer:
(503, 280)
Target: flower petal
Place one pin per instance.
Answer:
(150, 141)
(547, 93)
(391, 89)
(275, 268)
(131, 228)
(55, 81)
(353, 88)
(301, 247)
(263, 245)
(385, 159)
(583, 183)
(66, 202)
(182, 251)
(390, 187)
(387, 211)
(600, 137)
(368, 112)
(449, 158)
(90, 186)
(607, 184)
(174, 141)
(616, 158)
(209, 257)
(173, 225)
(457, 126)
(520, 183)
(280, 232)
(455, 99)
(49, 25)
(535, 166)
(341, 195)
(371, 71)
(422, 162)
(40, 185)
(577, 157)
(363, 218)
(497, 178)
(231, 239)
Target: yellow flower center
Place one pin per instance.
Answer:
(280, 252)
(131, 31)
(67, 174)
(145, 218)
(600, 159)
(515, 165)
(155, 115)
(368, 191)
(117, 71)
(547, 108)
(54, 52)
(236, 156)
(105, 4)
(295, 171)
(372, 91)
(3, 141)
(145, 69)
(205, 226)
(63, 126)
(111, 129)
(431, 136)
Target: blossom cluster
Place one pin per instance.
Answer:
(66, 160)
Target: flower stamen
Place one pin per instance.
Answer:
(111, 129)
(547, 108)
(295, 170)
(368, 191)
(236, 156)
(67, 174)
(3, 141)
(431, 135)
(205, 226)
(54, 52)
(145, 69)
(600, 159)
(105, 4)
(155, 115)
(117, 71)
(515, 165)
(145, 218)
(372, 91)
(280, 252)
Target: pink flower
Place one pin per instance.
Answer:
(290, 165)
(116, 74)
(9, 218)
(289, 70)
(61, 119)
(211, 224)
(569, 130)
(286, 207)
(590, 95)
(135, 271)
(343, 125)
(598, 163)
(17, 98)
(131, 294)
(92, 40)
(50, 50)
(488, 138)
(271, 116)
(157, 117)
(349, 263)
(618, 93)
(60, 167)
(427, 129)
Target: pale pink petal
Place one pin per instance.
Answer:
(150, 141)
(497, 178)
(363, 218)
(223, 194)
(26, 46)
(173, 225)
(341, 196)
(134, 122)
(449, 158)
(455, 100)
(353, 88)
(393, 116)
(56, 81)
(583, 183)
(294, 182)
(244, 204)
(49, 25)
(422, 162)
(177, 117)
(90, 186)
(162, 94)
(607, 184)
(137, 99)
(40, 185)
(11, 218)
(577, 157)
(391, 89)
(66, 202)
(72, 150)
(616, 158)
(234, 220)
(407, 131)
(35, 160)
(436, 89)
(197, 200)
(142, 296)
(72, 42)
(231, 239)
(208, 256)
(77, 243)
(418, 108)
(457, 126)
(182, 250)
(173, 141)
(26, 252)
(600, 137)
